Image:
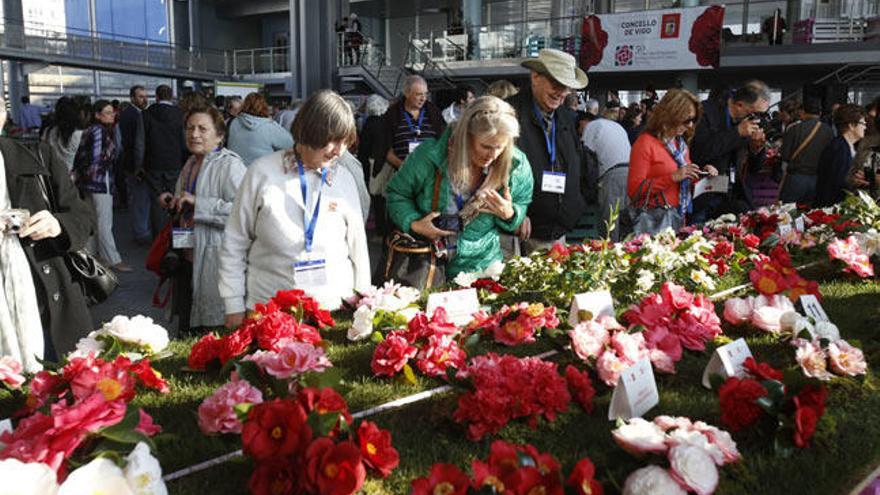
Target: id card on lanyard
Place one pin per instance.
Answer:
(184, 237)
(552, 181)
(310, 268)
(415, 129)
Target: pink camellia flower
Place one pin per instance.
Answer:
(812, 359)
(146, 425)
(588, 339)
(846, 359)
(737, 310)
(217, 413)
(609, 367)
(629, 346)
(638, 436)
(693, 468)
(440, 353)
(664, 348)
(691, 436)
(517, 331)
(849, 252)
(721, 439)
(676, 295)
(10, 372)
(291, 359)
(767, 318)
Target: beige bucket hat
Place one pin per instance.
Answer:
(560, 66)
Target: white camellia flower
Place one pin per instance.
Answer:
(639, 436)
(138, 330)
(792, 322)
(464, 279)
(694, 468)
(27, 478)
(645, 280)
(494, 270)
(408, 295)
(87, 345)
(362, 326)
(696, 438)
(651, 480)
(101, 476)
(143, 472)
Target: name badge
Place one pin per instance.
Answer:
(813, 308)
(636, 392)
(182, 238)
(553, 182)
(413, 145)
(310, 271)
(727, 361)
(460, 305)
(590, 305)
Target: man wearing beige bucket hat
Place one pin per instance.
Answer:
(548, 136)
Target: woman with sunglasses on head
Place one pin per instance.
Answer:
(659, 159)
(837, 158)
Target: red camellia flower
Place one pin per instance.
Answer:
(275, 429)
(334, 469)
(391, 355)
(581, 387)
(112, 379)
(520, 330)
(582, 479)
(489, 285)
(805, 421)
(444, 479)
(204, 351)
(594, 39)
(296, 300)
(376, 448)
(273, 477)
(235, 344)
(440, 353)
(751, 241)
(761, 371)
(149, 377)
(738, 403)
(813, 396)
(324, 401)
(705, 40)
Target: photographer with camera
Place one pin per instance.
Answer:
(802, 146)
(731, 137)
(485, 185)
(837, 158)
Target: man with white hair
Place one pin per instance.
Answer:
(410, 121)
(591, 106)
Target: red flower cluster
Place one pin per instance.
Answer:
(510, 469)
(809, 406)
(489, 285)
(776, 275)
(719, 255)
(506, 388)
(515, 325)
(292, 459)
(737, 398)
(761, 222)
(289, 316)
(819, 217)
(431, 341)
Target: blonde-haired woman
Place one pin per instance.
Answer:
(485, 186)
(502, 88)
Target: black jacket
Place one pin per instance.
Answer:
(131, 127)
(371, 145)
(63, 308)
(834, 167)
(165, 149)
(552, 215)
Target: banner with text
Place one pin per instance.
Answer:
(672, 39)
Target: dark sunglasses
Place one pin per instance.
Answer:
(692, 120)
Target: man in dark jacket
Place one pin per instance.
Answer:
(733, 143)
(131, 128)
(164, 150)
(550, 141)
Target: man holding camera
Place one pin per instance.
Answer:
(802, 146)
(730, 137)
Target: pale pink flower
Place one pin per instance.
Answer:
(737, 310)
(662, 361)
(629, 346)
(721, 439)
(217, 413)
(767, 318)
(693, 468)
(609, 367)
(683, 436)
(293, 358)
(847, 359)
(849, 252)
(10, 372)
(588, 339)
(638, 436)
(667, 423)
(812, 359)
(651, 480)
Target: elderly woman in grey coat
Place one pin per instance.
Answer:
(203, 198)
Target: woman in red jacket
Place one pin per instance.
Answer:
(660, 154)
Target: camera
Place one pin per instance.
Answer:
(447, 222)
(763, 120)
(13, 220)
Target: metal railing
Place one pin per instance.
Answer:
(260, 60)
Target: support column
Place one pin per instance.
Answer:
(16, 81)
(690, 81)
(472, 11)
(313, 45)
(195, 25)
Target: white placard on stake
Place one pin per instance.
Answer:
(595, 303)
(636, 392)
(799, 224)
(812, 307)
(784, 229)
(460, 305)
(717, 184)
(727, 361)
(5, 426)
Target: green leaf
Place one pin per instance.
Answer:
(323, 424)
(242, 410)
(123, 432)
(377, 337)
(472, 339)
(250, 371)
(327, 378)
(716, 380)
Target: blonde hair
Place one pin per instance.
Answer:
(487, 117)
(502, 88)
(672, 110)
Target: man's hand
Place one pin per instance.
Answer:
(710, 170)
(747, 128)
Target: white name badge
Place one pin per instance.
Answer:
(460, 305)
(590, 305)
(636, 392)
(813, 308)
(553, 182)
(310, 271)
(727, 361)
(717, 184)
(182, 238)
(413, 145)
(799, 224)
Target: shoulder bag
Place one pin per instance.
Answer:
(646, 219)
(797, 153)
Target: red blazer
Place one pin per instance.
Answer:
(650, 159)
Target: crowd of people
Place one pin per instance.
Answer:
(239, 202)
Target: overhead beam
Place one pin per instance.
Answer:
(238, 8)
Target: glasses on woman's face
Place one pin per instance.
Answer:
(689, 122)
(862, 123)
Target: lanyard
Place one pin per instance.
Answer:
(729, 119)
(193, 179)
(549, 140)
(310, 224)
(417, 130)
(677, 148)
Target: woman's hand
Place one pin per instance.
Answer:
(524, 231)
(233, 320)
(689, 171)
(496, 204)
(185, 199)
(426, 228)
(166, 200)
(41, 225)
(711, 170)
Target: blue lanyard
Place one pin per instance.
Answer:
(727, 115)
(418, 129)
(550, 140)
(310, 224)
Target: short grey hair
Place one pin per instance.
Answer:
(592, 106)
(412, 80)
(752, 91)
(376, 105)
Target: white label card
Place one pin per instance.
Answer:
(460, 305)
(5, 426)
(636, 392)
(812, 307)
(727, 361)
(310, 271)
(784, 229)
(182, 238)
(553, 182)
(717, 184)
(595, 303)
(413, 145)
(799, 224)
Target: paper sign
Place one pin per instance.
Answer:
(595, 303)
(553, 182)
(717, 184)
(5, 426)
(460, 305)
(727, 361)
(636, 392)
(784, 229)
(813, 308)
(799, 224)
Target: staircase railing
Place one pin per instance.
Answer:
(371, 58)
(421, 61)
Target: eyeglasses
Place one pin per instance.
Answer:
(690, 121)
(862, 123)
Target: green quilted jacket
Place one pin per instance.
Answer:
(410, 191)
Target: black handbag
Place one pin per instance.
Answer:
(96, 280)
(413, 261)
(650, 220)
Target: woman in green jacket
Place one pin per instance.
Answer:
(485, 185)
